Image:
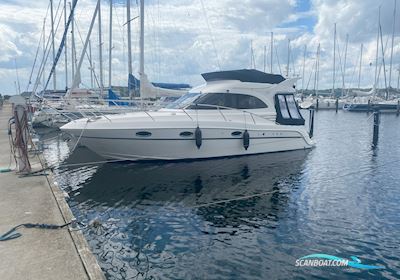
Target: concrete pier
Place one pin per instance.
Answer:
(38, 254)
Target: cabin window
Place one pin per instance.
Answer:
(229, 100)
(287, 111)
(249, 102)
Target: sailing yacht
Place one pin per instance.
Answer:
(239, 112)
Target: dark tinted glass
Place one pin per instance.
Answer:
(249, 102)
(294, 112)
(231, 100)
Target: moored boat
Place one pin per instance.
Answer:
(235, 113)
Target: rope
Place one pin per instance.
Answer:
(235, 199)
(79, 138)
(11, 234)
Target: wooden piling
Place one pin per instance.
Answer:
(337, 105)
(311, 123)
(375, 138)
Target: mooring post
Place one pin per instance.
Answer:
(21, 138)
(369, 106)
(398, 108)
(311, 132)
(317, 104)
(337, 105)
(376, 128)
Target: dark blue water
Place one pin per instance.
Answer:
(248, 217)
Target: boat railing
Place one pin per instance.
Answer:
(218, 107)
(252, 115)
(59, 112)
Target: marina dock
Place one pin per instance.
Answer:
(38, 253)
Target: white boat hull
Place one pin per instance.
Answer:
(215, 143)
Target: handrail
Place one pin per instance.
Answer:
(58, 112)
(187, 114)
(147, 113)
(228, 108)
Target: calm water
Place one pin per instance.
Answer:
(163, 220)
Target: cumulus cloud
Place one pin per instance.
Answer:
(185, 38)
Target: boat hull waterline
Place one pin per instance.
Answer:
(167, 144)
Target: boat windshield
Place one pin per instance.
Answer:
(184, 100)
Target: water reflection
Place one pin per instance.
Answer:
(191, 184)
(158, 216)
(207, 219)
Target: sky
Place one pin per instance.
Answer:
(188, 37)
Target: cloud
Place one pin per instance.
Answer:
(185, 38)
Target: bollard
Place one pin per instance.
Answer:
(376, 128)
(369, 106)
(311, 125)
(398, 108)
(337, 105)
(317, 104)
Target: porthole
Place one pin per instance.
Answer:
(143, 133)
(236, 133)
(186, 134)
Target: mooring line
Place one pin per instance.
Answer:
(234, 199)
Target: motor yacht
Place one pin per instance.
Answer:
(239, 112)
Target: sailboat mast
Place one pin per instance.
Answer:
(304, 66)
(398, 78)
(128, 20)
(265, 57)
(91, 65)
(272, 49)
(141, 44)
(391, 52)
(17, 76)
(316, 80)
(73, 53)
(344, 64)
(77, 76)
(383, 62)
(288, 59)
(100, 51)
(252, 63)
(110, 47)
(334, 61)
(44, 52)
(141, 37)
(377, 50)
(360, 67)
(53, 45)
(65, 46)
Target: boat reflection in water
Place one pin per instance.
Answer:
(165, 219)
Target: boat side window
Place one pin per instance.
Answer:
(287, 112)
(216, 99)
(230, 100)
(283, 107)
(292, 106)
(249, 102)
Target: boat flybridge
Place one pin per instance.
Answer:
(235, 113)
